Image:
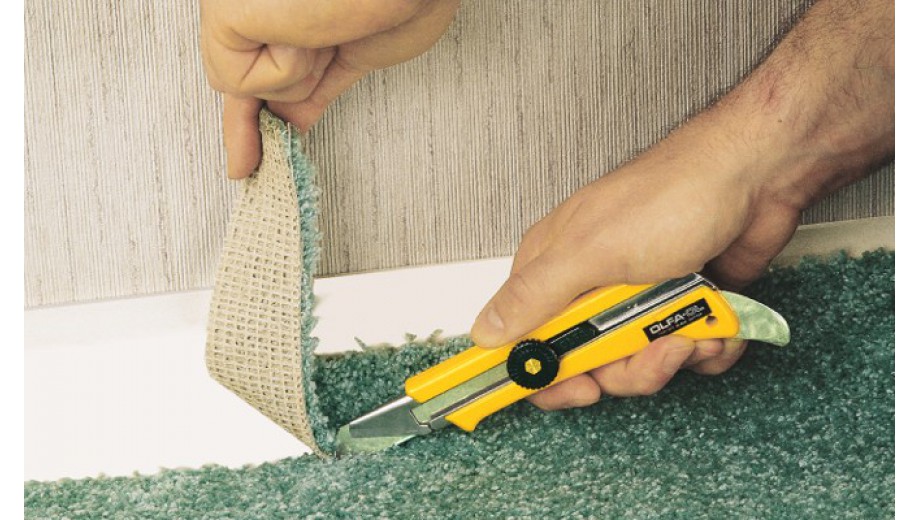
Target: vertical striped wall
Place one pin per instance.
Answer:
(449, 157)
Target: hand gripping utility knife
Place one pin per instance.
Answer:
(602, 326)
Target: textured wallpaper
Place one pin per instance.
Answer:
(449, 157)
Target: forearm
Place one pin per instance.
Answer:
(819, 111)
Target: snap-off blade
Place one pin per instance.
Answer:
(391, 424)
(403, 419)
(345, 444)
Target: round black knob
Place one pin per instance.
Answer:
(532, 364)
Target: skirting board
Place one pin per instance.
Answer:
(853, 236)
(803, 431)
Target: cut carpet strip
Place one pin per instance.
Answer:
(805, 431)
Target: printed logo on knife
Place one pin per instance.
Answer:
(678, 319)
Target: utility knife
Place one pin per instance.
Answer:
(598, 328)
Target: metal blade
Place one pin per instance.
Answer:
(345, 444)
(391, 424)
(758, 322)
(404, 418)
(394, 419)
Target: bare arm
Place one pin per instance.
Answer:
(819, 111)
(725, 191)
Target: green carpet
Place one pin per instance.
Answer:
(801, 432)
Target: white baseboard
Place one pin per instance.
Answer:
(852, 236)
(120, 386)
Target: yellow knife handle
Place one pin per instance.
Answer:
(621, 342)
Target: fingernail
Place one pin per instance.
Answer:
(675, 357)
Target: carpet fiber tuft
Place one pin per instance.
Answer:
(805, 431)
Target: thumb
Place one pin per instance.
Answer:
(242, 139)
(532, 295)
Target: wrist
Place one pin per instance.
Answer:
(798, 143)
(776, 157)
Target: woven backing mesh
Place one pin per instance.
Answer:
(254, 329)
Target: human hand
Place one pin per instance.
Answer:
(723, 193)
(299, 55)
(697, 196)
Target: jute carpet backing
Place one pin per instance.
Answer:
(805, 431)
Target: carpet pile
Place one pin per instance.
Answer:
(803, 431)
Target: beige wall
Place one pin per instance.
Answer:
(449, 157)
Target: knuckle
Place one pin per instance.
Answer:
(585, 396)
(213, 81)
(258, 80)
(532, 236)
(215, 85)
(294, 72)
(609, 386)
(579, 391)
(720, 364)
(651, 384)
(244, 86)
